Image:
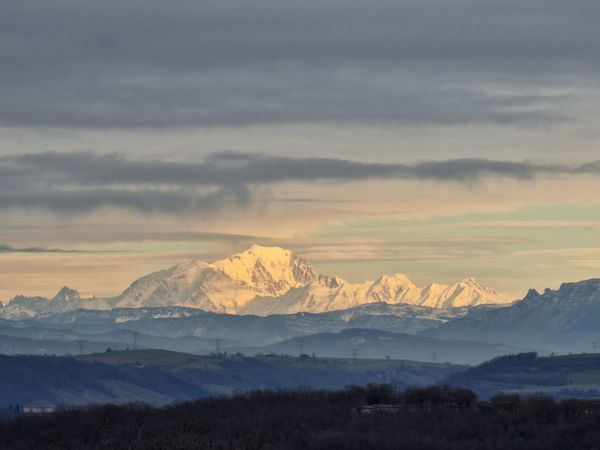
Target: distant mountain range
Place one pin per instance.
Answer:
(567, 319)
(66, 299)
(563, 320)
(261, 281)
(376, 330)
(177, 323)
(265, 297)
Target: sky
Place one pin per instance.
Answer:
(439, 139)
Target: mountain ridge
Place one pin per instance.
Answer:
(272, 280)
(566, 318)
(263, 281)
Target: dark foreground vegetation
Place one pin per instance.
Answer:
(429, 418)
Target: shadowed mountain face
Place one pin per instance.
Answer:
(567, 319)
(262, 281)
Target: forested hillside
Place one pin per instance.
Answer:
(432, 418)
(563, 376)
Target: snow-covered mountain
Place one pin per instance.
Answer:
(272, 280)
(223, 286)
(261, 281)
(395, 289)
(22, 307)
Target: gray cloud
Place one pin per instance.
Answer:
(73, 63)
(9, 249)
(81, 182)
(140, 200)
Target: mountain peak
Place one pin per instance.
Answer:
(532, 293)
(268, 253)
(66, 293)
(272, 270)
(397, 279)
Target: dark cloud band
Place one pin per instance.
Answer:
(10, 249)
(73, 183)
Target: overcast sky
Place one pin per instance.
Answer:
(443, 139)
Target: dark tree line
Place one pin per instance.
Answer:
(438, 417)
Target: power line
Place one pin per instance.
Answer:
(135, 340)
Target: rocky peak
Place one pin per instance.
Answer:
(22, 300)
(330, 282)
(531, 294)
(269, 269)
(469, 281)
(571, 295)
(66, 294)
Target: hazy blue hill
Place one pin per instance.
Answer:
(13, 345)
(382, 344)
(157, 376)
(177, 322)
(38, 340)
(69, 381)
(567, 319)
(195, 331)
